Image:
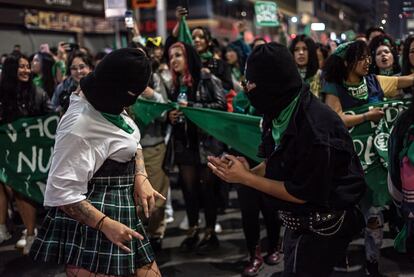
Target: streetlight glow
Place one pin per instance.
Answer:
(383, 21)
(294, 19)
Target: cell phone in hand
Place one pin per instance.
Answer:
(185, 5)
(129, 19)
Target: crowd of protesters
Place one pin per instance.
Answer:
(369, 69)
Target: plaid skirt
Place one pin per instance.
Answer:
(64, 240)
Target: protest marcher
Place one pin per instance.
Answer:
(42, 66)
(348, 85)
(322, 53)
(19, 97)
(408, 61)
(372, 32)
(311, 170)
(384, 56)
(192, 145)
(97, 181)
(79, 65)
(303, 49)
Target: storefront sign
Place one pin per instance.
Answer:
(94, 7)
(266, 14)
(136, 4)
(57, 21)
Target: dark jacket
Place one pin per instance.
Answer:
(315, 159)
(221, 70)
(191, 144)
(35, 102)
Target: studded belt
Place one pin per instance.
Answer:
(324, 224)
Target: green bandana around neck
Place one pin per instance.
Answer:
(206, 56)
(281, 123)
(386, 72)
(302, 72)
(359, 91)
(118, 121)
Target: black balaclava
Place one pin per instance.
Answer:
(272, 69)
(117, 81)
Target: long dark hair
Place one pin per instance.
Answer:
(406, 65)
(207, 36)
(389, 42)
(11, 86)
(47, 63)
(313, 64)
(335, 70)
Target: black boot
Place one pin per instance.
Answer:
(209, 242)
(192, 239)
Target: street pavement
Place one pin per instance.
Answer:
(228, 260)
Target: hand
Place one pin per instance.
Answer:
(148, 93)
(145, 195)
(205, 70)
(174, 115)
(232, 171)
(119, 234)
(241, 26)
(375, 114)
(180, 12)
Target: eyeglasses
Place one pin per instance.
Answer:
(366, 58)
(79, 67)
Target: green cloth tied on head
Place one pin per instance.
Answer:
(341, 50)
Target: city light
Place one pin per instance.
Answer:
(332, 36)
(318, 27)
(243, 13)
(294, 19)
(343, 36)
(383, 21)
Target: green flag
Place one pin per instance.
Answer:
(184, 34)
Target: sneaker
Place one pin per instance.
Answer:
(217, 228)
(29, 243)
(345, 266)
(169, 219)
(4, 234)
(21, 243)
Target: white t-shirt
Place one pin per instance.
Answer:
(84, 140)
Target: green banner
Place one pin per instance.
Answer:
(266, 14)
(371, 144)
(25, 154)
(27, 144)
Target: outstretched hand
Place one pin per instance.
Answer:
(145, 195)
(229, 168)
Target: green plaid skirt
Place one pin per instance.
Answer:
(64, 240)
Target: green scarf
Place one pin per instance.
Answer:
(184, 34)
(206, 56)
(236, 73)
(386, 72)
(118, 121)
(281, 123)
(359, 91)
(302, 72)
(38, 81)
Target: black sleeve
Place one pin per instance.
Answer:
(313, 175)
(220, 69)
(168, 43)
(215, 90)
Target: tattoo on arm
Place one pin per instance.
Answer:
(82, 211)
(139, 163)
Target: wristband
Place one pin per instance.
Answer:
(364, 116)
(100, 223)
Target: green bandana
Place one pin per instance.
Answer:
(118, 121)
(341, 50)
(281, 123)
(386, 72)
(38, 81)
(302, 73)
(359, 91)
(206, 56)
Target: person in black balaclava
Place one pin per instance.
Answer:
(311, 171)
(97, 179)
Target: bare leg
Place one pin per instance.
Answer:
(28, 213)
(149, 270)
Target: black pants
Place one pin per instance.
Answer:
(308, 254)
(199, 185)
(251, 203)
